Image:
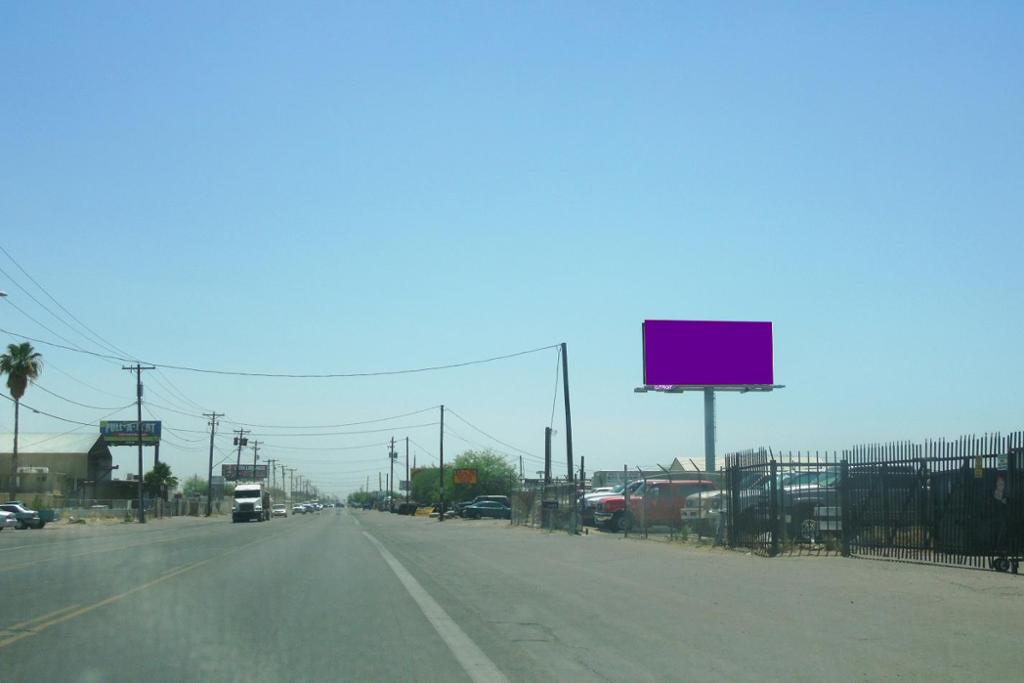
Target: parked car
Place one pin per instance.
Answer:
(27, 519)
(703, 511)
(298, 509)
(588, 502)
(487, 508)
(658, 502)
(278, 510)
(457, 508)
(7, 520)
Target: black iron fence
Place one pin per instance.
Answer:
(951, 502)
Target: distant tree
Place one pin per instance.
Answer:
(493, 477)
(159, 479)
(22, 364)
(194, 486)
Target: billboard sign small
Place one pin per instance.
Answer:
(464, 476)
(244, 472)
(126, 432)
(403, 484)
(707, 353)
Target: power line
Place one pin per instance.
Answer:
(58, 417)
(64, 398)
(281, 447)
(285, 375)
(493, 438)
(344, 424)
(95, 336)
(77, 429)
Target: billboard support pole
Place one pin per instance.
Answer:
(709, 429)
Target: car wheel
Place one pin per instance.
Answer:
(21, 525)
(41, 525)
(621, 522)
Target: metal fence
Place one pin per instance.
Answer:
(951, 502)
(547, 506)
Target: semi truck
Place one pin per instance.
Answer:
(252, 501)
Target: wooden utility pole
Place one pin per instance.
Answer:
(209, 472)
(547, 455)
(440, 516)
(408, 482)
(240, 441)
(255, 457)
(568, 413)
(138, 368)
(391, 478)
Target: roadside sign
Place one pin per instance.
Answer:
(403, 485)
(1001, 461)
(244, 472)
(126, 432)
(979, 466)
(464, 476)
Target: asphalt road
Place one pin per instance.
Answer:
(367, 596)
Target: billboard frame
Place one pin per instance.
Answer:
(708, 390)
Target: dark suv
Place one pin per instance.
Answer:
(27, 519)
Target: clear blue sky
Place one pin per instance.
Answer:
(371, 186)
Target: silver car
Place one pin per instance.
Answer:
(8, 520)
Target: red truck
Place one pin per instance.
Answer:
(658, 502)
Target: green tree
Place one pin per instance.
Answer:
(159, 479)
(22, 364)
(194, 486)
(494, 475)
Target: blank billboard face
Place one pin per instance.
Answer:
(702, 352)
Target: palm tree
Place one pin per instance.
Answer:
(22, 365)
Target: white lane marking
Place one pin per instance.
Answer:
(473, 660)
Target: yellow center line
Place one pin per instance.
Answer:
(8, 630)
(44, 622)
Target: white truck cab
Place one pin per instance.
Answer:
(251, 501)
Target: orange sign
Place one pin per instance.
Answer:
(464, 476)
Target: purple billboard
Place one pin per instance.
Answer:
(707, 353)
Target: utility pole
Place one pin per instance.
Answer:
(440, 516)
(408, 483)
(138, 368)
(209, 473)
(240, 441)
(568, 413)
(255, 457)
(391, 479)
(273, 472)
(291, 483)
(547, 455)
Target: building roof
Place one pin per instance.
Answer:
(79, 444)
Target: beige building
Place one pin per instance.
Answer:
(59, 464)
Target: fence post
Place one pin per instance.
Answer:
(773, 507)
(732, 476)
(844, 508)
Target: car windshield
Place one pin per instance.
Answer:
(247, 494)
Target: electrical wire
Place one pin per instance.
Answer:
(76, 429)
(64, 398)
(95, 336)
(493, 438)
(323, 448)
(344, 424)
(58, 417)
(284, 375)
